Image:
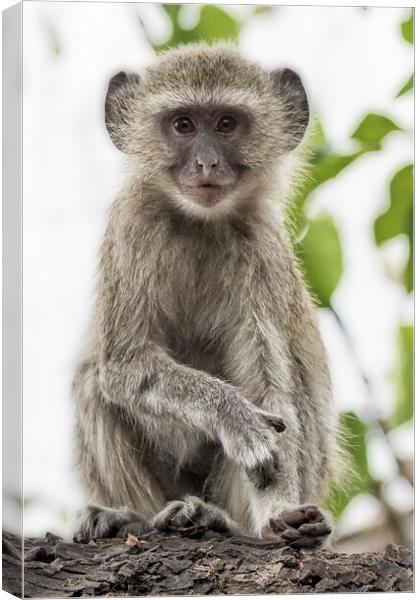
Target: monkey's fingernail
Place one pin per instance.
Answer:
(279, 426)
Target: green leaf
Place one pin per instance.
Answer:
(172, 10)
(404, 405)
(214, 24)
(354, 433)
(407, 29)
(321, 257)
(373, 129)
(409, 268)
(261, 9)
(324, 165)
(398, 218)
(406, 87)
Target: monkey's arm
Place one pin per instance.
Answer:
(153, 389)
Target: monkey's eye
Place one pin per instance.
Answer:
(226, 124)
(183, 125)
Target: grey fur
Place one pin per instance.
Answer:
(203, 339)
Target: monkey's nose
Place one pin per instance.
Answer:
(206, 166)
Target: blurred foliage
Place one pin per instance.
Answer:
(407, 32)
(354, 443)
(317, 240)
(321, 255)
(403, 410)
(372, 131)
(407, 28)
(20, 501)
(214, 23)
(260, 10)
(407, 87)
(398, 218)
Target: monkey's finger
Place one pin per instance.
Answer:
(278, 525)
(294, 518)
(182, 520)
(290, 534)
(277, 423)
(313, 513)
(137, 528)
(268, 534)
(315, 529)
(163, 520)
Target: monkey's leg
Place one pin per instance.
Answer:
(111, 459)
(194, 511)
(277, 509)
(273, 512)
(279, 378)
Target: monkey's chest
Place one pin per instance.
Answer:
(197, 306)
(197, 348)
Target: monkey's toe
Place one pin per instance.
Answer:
(137, 528)
(98, 522)
(302, 527)
(164, 519)
(192, 511)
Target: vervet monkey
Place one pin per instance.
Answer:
(203, 394)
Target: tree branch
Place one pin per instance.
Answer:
(195, 561)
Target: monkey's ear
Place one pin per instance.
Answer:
(288, 86)
(119, 101)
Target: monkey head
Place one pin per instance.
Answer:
(206, 126)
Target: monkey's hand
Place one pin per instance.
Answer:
(254, 445)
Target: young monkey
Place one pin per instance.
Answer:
(203, 394)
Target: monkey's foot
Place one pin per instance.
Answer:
(98, 522)
(193, 511)
(305, 526)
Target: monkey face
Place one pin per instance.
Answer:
(205, 143)
(205, 126)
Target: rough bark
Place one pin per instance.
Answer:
(195, 562)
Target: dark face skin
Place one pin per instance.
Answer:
(206, 144)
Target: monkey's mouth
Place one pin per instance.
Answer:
(206, 194)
